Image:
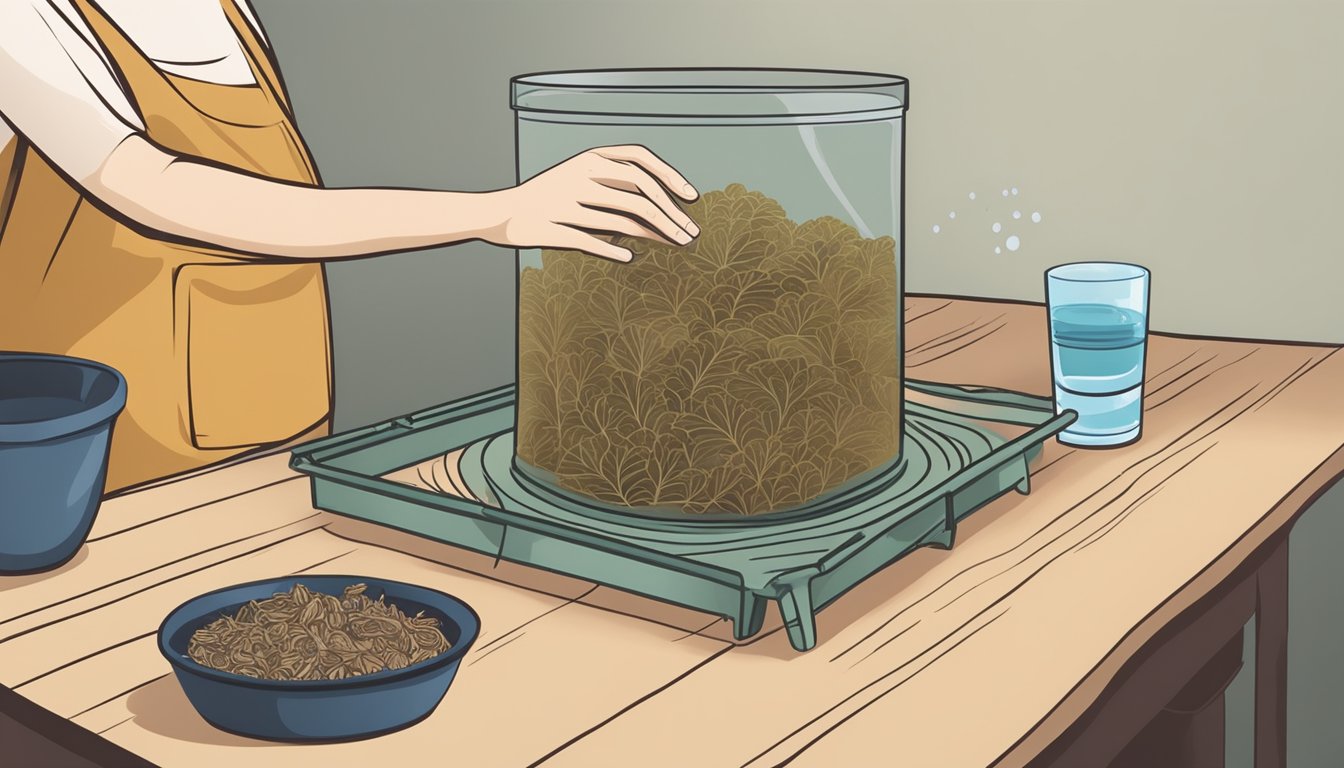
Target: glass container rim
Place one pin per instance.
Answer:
(590, 79)
(625, 93)
(1097, 272)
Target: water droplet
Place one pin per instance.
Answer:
(997, 249)
(1036, 217)
(1013, 243)
(1017, 214)
(952, 215)
(972, 195)
(1005, 193)
(937, 229)
(1014, 191)
(997, 227)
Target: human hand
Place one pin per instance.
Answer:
(608, 190)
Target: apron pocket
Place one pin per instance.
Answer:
(256, 351)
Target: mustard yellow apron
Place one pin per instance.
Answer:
(223, 352)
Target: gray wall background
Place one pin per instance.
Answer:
(1194, 137)
(1197, 138)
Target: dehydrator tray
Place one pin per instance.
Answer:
(964, 446)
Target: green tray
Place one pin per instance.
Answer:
(955, 459)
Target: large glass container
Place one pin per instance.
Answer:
(758, 369)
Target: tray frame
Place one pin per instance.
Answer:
(346, 472)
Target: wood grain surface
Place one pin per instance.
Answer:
(976, 656)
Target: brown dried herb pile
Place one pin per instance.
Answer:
(306, 635)
(751, 371)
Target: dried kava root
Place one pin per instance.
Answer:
(307, 635)
(751, 371)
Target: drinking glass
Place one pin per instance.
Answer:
(1098, 339)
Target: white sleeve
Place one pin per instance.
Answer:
(248, 13)
(57, 90)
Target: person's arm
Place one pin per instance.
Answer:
(611, 189)
(58, 93)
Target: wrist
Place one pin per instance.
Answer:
(481, 215)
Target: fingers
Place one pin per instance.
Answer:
(631, 179)
(606, 221)
(577, 237)
(617, 189)
(651, 163)
(590, 244)
(630, 204)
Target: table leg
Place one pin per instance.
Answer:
(1164, 707)
(1271, 661)
(1189, 731)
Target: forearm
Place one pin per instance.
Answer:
(235, 211)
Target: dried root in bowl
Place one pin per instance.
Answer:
(307, 635)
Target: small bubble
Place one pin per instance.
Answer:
(1036, 217)
(1013, 243)
(952, 215)
(1017, 214)
(997, 227)
(937, 229)
(1014, 191)
(1005, 193)
(972, 195)
(997, 249)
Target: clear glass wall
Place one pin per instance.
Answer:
(757, 369)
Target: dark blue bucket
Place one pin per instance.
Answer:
(56, 417)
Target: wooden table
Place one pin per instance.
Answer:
(1059, 624)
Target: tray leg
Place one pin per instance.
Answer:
(946, 536)
(1024, 470)
(798, 613)
(942, 538)
(750, 616)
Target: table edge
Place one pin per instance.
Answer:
(1163, 334)
(1091, 693)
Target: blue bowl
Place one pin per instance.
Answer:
(318, 710)
(56, 417)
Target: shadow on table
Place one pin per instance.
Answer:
(161, 707)
(14, 582)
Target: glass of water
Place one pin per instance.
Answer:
(1098, 337)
